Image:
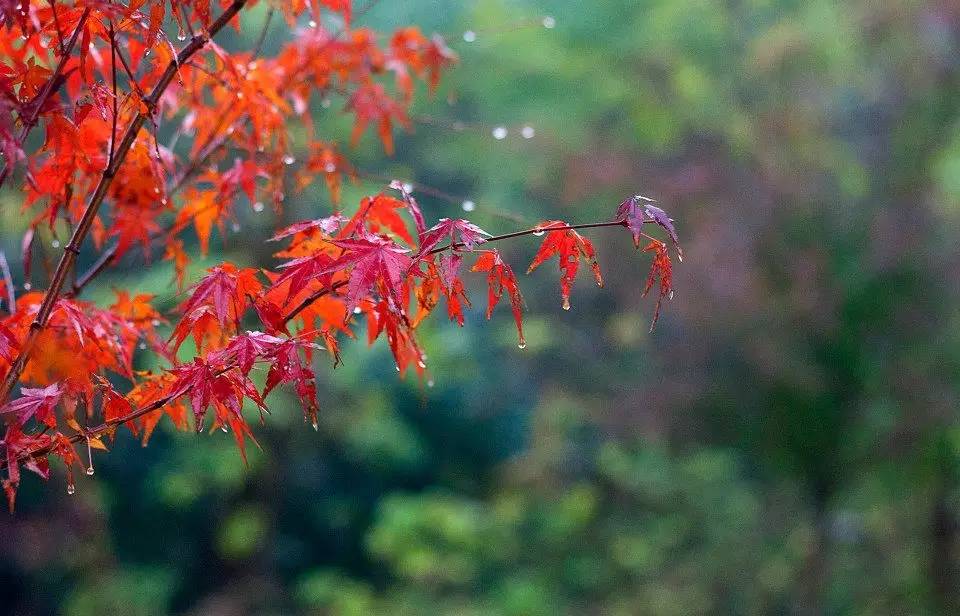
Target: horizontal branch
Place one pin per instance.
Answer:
(310, 299)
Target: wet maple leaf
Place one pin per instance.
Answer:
(500, 278)
(378, 214)
(660, 270)
(38, 403)
(569, 246)
(223, 295)
(451, 229)
(638, 210)
(371, 103)
(373, 260)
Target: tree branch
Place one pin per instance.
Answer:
(160, 403)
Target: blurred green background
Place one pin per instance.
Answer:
(785, 442)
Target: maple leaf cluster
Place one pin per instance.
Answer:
(98, 79)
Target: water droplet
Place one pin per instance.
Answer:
(538, 231)
(146, 53)
(522, 344)
(549, 22)
(407, 187)
(55, 243)
(288, 160)
(312, 24)
(258, 206)
(223, 428)
(27, 286)
(430, 383)
(469, 206)
(90, 470)
(397, 367)
(316, 425)
(142, 346)
(527, 132)
(671, 294)
(330, 167)
(235, 227)
(421, 364)
(71, 488)
(357, 310)
(566, 303)
(181, 36)
(500, 133)
(469, 36)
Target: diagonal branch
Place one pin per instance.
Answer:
(72, 249)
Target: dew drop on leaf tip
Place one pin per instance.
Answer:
(71, 488)
(90, 470)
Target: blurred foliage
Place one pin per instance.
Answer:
(786, 441)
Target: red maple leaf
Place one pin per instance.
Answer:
(662, 270)
(375, 261)
(500, 278)
(37, 403)
(569, 246)
(450, 228)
